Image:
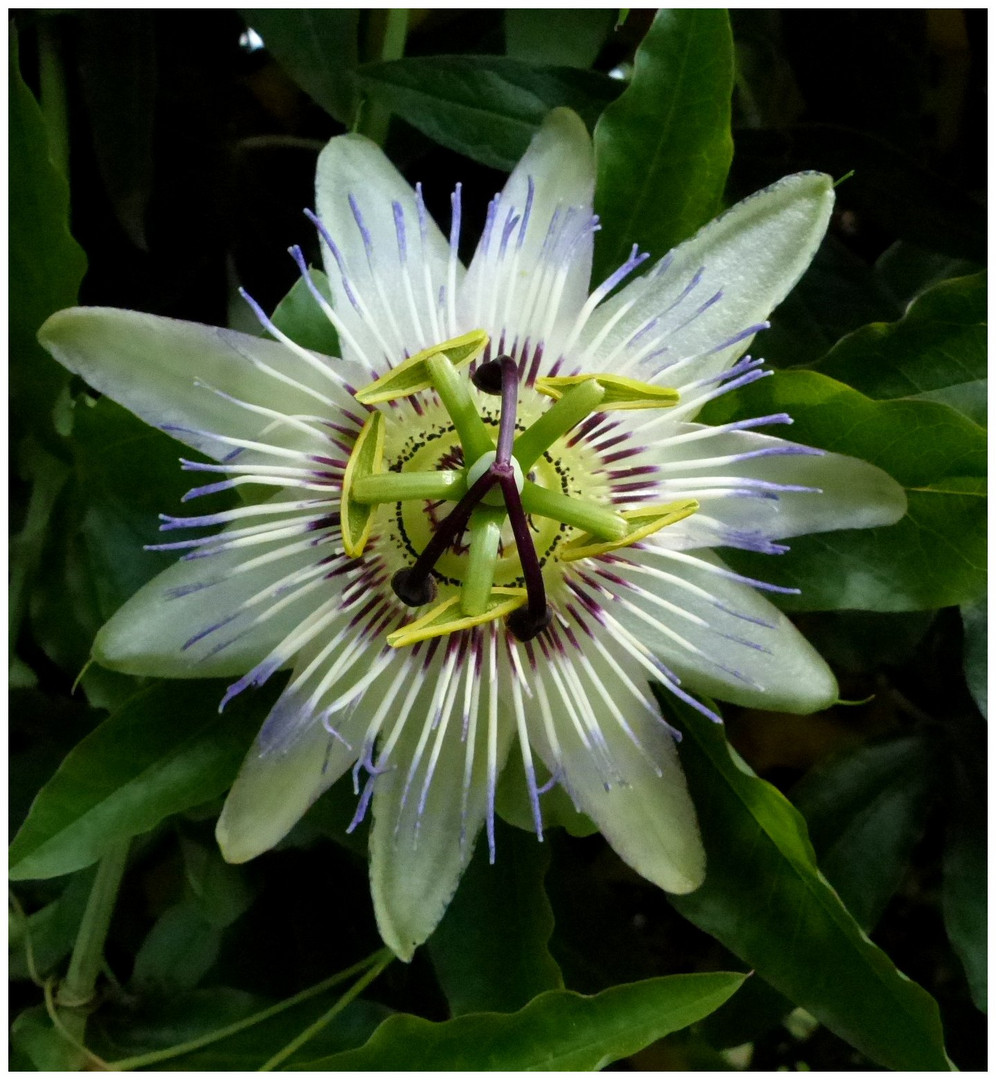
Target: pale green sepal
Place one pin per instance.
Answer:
(416, 861)
(620, 392)
(749, 653)
(353, 169)
(751, 256)
(556, 172)
(273, 790)
(151, 366)
(412, 376)
(648, 819)
(848, 493)
(146, 636)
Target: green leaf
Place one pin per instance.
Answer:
(219, 889)
(46, 264)
(907, 270)
(490, 951)
(572, 37)
(178, 951)
(487, 107)
(299, 316)
(939, 345)
(662, 151)
(558, 1030)
(157, 1022)
(164, 751)
(317, 47)
(975, 619)
(52, 930)
(936, 555)
(127, 473)
(33, 1037)
(513, 803)
(765, 899)
(124, 474)
(837, 294)
(864, 811)
(963, 894)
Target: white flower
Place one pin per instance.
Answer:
(585, 569)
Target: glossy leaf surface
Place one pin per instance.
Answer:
(486, 107)
(317, 48)
(766, 900)
(937, 351)
(164, 751)
(662, 151)
(490, 951)
(556, 1031)
(936, 555)
(46, 264)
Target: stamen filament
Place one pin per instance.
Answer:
(399, 487)
(482, 559)
(414, 585)
(577, 403)
(455, 396)
(583, 514)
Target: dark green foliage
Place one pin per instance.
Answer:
(846, 850)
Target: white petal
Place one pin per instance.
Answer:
(641, 806)
(275, 788)
(419, 849)
(152, 633)
(529, 276)
(150, 366)
(847, 493)
(736, 646)
(723, 282)
(387, 290)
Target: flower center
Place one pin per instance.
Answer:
(495, 491)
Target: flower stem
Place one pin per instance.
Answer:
(88, 954)
(388, 33)
(382, 957)
(313, 1029)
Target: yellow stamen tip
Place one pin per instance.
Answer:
(412, 375)
(364, 461)
(646, 521)
(620, 392)
(446, 618)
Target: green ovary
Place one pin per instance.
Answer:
(408, 526)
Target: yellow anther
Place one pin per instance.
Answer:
(447, 618)
(645, 521)
(620, 392)
(364, 461)
(412, 375)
